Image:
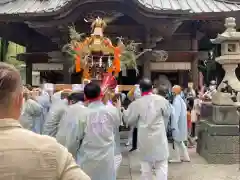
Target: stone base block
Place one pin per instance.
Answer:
(225, 115)
(206, 110)
(218, 147)
(218, 130)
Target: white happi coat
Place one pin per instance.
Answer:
(31, 115)
(68, 127)
(53, 117)
(117, 148)
(96, 133)
(150, 113)
(44, 101)
(180, 119)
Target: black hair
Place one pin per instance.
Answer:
(70, 97)
(29, 87)
(190, 103)
(64, 95)
(92, 90)
(145, 85)
(76, 97)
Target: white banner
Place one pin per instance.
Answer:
(47, 66)
(157, 66)
(78, 87)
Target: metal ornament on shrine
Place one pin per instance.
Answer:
(96, 55)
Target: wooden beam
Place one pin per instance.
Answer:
(33, 57)
(21, 34)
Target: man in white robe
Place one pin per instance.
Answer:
(117, 147)
(179, 124)
(55, 114)
(69, 122)
(44, 100)
(95, 133)
(132, 95)
(150, 112)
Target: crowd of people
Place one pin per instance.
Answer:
(75, 135)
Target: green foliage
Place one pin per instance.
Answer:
(128, 60)
(9, 51)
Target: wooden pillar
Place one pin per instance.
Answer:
(146, 63)
(66, 73)
(194, 64)
(29, 72)
(180, 78)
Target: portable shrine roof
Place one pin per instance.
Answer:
(9, 7)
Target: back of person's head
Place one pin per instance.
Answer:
(145, 85)
(11, 96)
(92, 90)
(28, 86)
(76, 97)
(163, 91)
(65, 93)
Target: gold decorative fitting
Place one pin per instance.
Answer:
(98, 23)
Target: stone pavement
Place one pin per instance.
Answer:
(197, 169)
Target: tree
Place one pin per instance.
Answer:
(9, 51)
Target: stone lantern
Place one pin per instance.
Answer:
(218, 137)
(229, 59)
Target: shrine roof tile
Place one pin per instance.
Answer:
(193, 6)
(31, 6)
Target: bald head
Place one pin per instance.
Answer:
(10, 83)
(176, 89)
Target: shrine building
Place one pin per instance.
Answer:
(182, 28)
